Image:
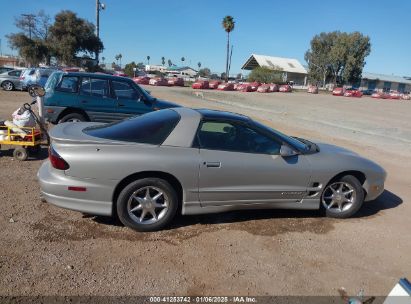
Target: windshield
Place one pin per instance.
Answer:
(52, 81)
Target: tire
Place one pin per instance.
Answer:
(346, 199)
(7, 85)
(20, 154)
(134, 196)
(72, 117)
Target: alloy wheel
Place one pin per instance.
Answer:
(339, 197)
(147, 205)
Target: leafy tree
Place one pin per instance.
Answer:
(266, 75)
(70, 35)
(129, 68)
(163, 60)
(34, 51)
(339, 55)
(228, 25)
(204, 72)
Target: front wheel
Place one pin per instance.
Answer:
(20, 153)
(147, 204)
(342, 198)
(72, 117)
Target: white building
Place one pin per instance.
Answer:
(292, 69)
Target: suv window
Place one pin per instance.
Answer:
(15, 73)
(68, 84)
(151, 128)
(124, 90)
(94, 87)
(236, 137)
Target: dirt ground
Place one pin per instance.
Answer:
(45, 250)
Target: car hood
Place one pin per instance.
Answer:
(335, 158)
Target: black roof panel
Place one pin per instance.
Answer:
(215, 114)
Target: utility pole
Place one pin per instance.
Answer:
(30, 22)
(99, 6)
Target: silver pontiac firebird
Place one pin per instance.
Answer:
(147, 168)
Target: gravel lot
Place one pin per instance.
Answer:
(50, 251)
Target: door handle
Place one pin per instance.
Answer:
(213, 164)
(84, 101)
(121, 105)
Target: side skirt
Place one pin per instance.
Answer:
(195, 207)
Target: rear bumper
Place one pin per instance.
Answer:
(54, 189)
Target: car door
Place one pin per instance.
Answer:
(240, 165)
(96, 99)
(129, 99)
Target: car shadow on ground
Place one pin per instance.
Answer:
(387, 200)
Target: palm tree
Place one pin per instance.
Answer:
(148, 60)
(169, 63)
(182, 60)
(163, 60)
(102, 59)
(199, 65)
(228, 25)
(120, 56)
(117, 58)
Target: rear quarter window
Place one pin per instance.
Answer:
(151, 128)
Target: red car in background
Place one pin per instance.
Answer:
(142, 80)
(176, 81)
(274, 87)
(244, 87)
(285, 88)
(312, 89)
(351, 92)
(203, 84)
(381, 95)
(254, 85)
(264, 88)
(395, 95)
(214, 84)
(226, 87)
(339, 91)
(158, 81)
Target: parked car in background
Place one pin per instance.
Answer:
(74, 97)
(142, 80)
(285, 88)
(352, 92)
(214, 84)
(32, 76)
(6, 69)
(176, 81)
(10, 80)
(368, 92)
(202, 84)
(244, 87)
(338, 91)
(226, 86)
(395, 95)
(264, 88)
(158, 81)
(254, 86)
(381, 95)
(313, 89)
(148, 168)
(274, 87)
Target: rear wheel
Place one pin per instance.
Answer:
(342, 198)
(7, 86)
(72, 117)
(147, 204)
(20, 153)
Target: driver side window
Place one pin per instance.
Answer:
(236, 137)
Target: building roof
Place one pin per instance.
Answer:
(286, 64)
(383, 77)
(182, 68)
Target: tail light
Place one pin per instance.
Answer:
(56, 160)
(21, 77)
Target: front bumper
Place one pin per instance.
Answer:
(54, 189)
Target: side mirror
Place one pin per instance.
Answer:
(286, 151)
(36, 90)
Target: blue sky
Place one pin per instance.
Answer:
(193, 28)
